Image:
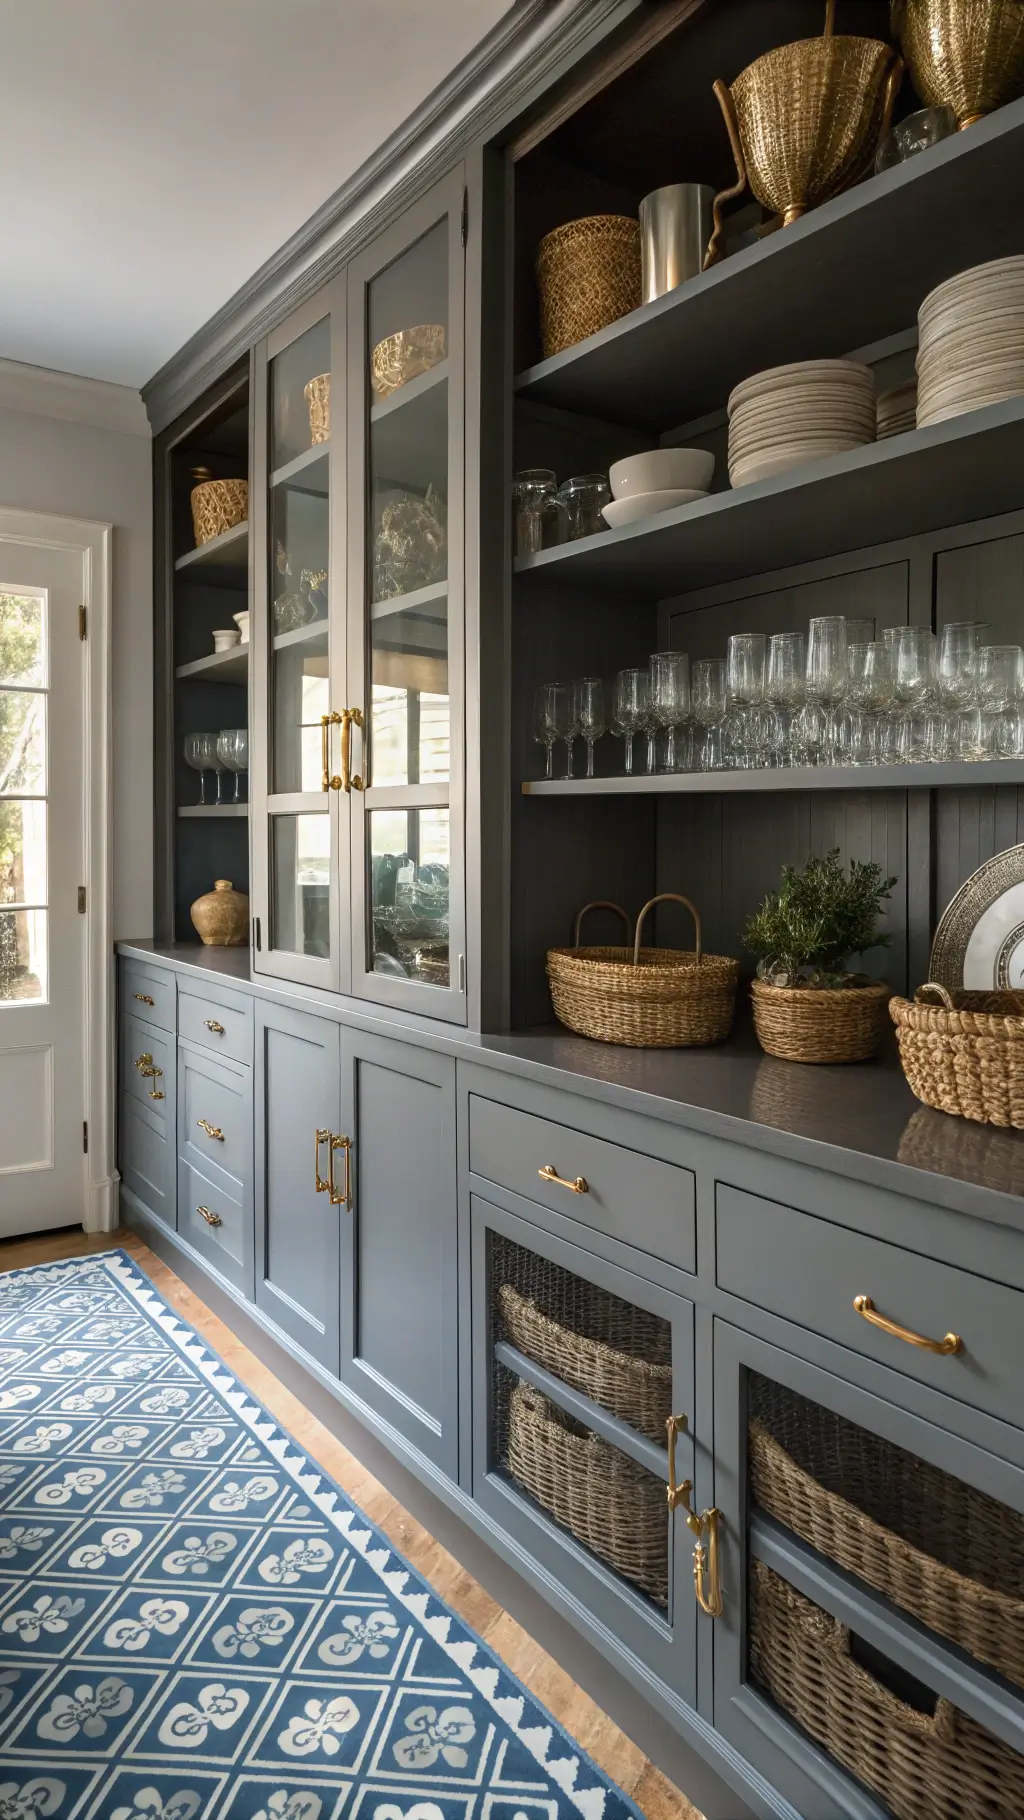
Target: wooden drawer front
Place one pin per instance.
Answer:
(637, 1198)
(215, 1120)
(148, 993)
(146, 1158)
(809, 1271)
(219, 1232)
(221, 1023)
(140, 1041)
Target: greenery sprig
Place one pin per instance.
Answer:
(821, 915)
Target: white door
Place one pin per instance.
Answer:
(43, 1168)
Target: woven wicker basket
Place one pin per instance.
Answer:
(218, 505)
(318, 397)
(588, 273)
(966, 1054)
(600, 1495)
(936, 1765)
(646, 997)
(805, 1024)
(611, 1370)
(934, 1546)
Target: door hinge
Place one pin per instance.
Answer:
(81, 900)
(83, 619)
(465, 216)
(85, 1136)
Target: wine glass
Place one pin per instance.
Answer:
(709, 711)
(629, 709)
(233, 751)
(588, 713)
(550, 720)
(745, 661)
(201, 755)
(670, 698)
(784, 689)
(826, 684)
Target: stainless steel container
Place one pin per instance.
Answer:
(675, 227)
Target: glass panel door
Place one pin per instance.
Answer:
(406, 632)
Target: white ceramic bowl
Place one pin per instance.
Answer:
(226, 640)
(242, 622)
(660, 471)
(626, 511)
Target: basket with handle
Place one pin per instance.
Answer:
(658, 998)
(964, 1053)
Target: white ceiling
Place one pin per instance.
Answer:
(155, 152)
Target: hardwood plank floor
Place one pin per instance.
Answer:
(611, 1750)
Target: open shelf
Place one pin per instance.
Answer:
(418, 604)
(306, 473)
(212, 811)
(968, 467)
(409, 434)
(410, 392)
(860, 264)
(796, 777)
(221, 666)
(224, 560)
(314, 635)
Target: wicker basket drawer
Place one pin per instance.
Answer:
(927, 1762)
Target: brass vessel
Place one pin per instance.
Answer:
(964, 54)
(804, 121)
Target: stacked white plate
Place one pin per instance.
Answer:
(897, 410)
(791, 415)
(971, 341)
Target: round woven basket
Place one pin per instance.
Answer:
(637, 1390)
(218, 505)
(964, 1055)
(808, 1024)
(648, 998)
(318, 397)
(588, 274)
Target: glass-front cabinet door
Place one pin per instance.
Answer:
(405, 609)
(298, 646)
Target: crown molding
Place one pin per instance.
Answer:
(534, 43)
(71, 398)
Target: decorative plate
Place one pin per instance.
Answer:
(979, 943)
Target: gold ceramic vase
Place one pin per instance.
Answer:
(967, 55)
(222, 916)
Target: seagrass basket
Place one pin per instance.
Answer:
(601, 1496)
(812, 1024)
(318, 397)
(964, 1055)
(935, 1546)
(218, 505)
(656, 998)
(588, 275)
(925, 1765)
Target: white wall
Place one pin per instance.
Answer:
(81, 449)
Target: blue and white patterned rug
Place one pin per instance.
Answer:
(197, 1624)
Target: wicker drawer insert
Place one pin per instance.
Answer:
(925, 1765)
(902, 1525)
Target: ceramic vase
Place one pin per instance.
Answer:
(222, 916)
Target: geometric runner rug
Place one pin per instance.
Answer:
(197, 1624)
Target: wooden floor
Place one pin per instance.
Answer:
(654, 1795)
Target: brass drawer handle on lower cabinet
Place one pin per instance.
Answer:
(707, 1578)
(212, 1219)
(212, 1131)
(579, 1186)
(144, 998)
(344, 1199)
(950, 1342)
(212, 1024)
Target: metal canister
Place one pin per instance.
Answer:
(675, 227)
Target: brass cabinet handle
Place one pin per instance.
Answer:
(327, 721)
(344, 1199)
(212, 1131)
(143, 1061)
(212, 1024)
(579, 1186)
(707, 1573)
(212, 1219)
(156, 1096)
(350, 717)
(144, 998)
(950, 1342)
(322, 1187)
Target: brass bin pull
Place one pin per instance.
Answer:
(212, 1131)
(344, 1199)
(950, 1342)
(349, 718)
(579, 1185)
(212, 1219)
(327, 721)
(144, 998)
(707, 1573)
(212, 1024)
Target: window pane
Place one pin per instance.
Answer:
(409, 860)
(300, 876)
(410, 718)
(22, 742)
(300, 418)
(22, 853)
(23, 639)
(22, 955)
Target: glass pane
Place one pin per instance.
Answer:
(301, 696)
(300, 408)
(22, 742)
(22, 955)
(23, 639)
(409, 860)
(299, 554)
(23, 853)
(408, 314)
(300, 868)
(409, 698)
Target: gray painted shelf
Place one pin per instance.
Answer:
(212, 811)
(221, 666)
(307, 473)
(223, 560)
(797, 777)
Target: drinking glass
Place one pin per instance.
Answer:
(956, 670)
(1000, 698)
(826, 660)
(709, 708)
(583, 497)
(551, 706)
(588, 713)
(859, 631)
(784, 688)
(233, 752)
(629, 709)
(745, 665)
(670, 698)
(196, 756)
(855, 737)
(540, 519)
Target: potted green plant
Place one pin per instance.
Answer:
(807, 1006)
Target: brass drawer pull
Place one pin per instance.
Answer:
(156, 1096)
(143, 1061)
(212, 1131)
(344, 1199)
(707, 1576)
(212, 1219)
(579, 1186)
(144, 998)
(351, 717)
(950, 1342)
(212, 1024)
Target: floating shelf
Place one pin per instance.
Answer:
(968, 467)
(223, 561)
(864, 261)
(213, 811)
(221, 667)
(797, 777)
(306, 473)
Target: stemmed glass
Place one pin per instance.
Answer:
(587, 713)
(860, 729)
(1000, 691)
(826, 686)
(233, 751)
(551, 708)
(709, 711)
(629, 710)
(201, 755)
(913, 669)
(784, 689)
(670, 698)
(956, 679)
(745, 661)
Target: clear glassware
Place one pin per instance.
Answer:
(785, 683)
(855, 737)
(826, 660)
(869, 680)
(551, 709)
(540, 518)
(588, 713)
(670, 699)
(708, 701)
(913, 665)
(745, 669)
(233, 752)
(195, 757)
(956, 667)
(629, 710)
(583, 497)
(859, 631)
(1001, 700)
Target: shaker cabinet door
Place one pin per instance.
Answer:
(298, 1225)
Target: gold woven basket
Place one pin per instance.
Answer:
(812, 1024)
(648, 998)
(404, 356)
(218, 505)
(318, 397)
(963, 54)
(588, 274)
(964, 1055)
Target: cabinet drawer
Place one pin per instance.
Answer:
(144, 1047)
(213, 1222)
(146, 1158)
(215, 1115)
(640, 1199)
(221, 1022)
(148, 993)
(809, 1271)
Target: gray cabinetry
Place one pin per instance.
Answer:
(215, 1163)
(146, 1110)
